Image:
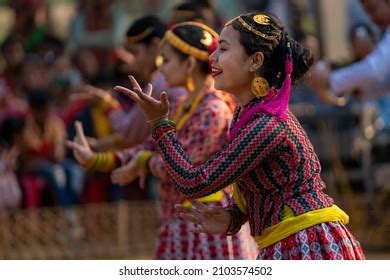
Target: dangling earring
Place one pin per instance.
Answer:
(190, 84)
(159, 60)
(260, 86)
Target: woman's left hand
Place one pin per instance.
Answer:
(125, 174)
(207, 219)
(152, 109)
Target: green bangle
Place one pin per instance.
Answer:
(163, 122)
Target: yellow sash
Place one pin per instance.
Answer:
(239, 198)
(291, 224)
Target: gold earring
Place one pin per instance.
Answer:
(260, 86)
(159, 60)
(190, 84)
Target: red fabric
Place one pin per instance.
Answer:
(176, 242)
(74, 108)
(326, 241)
(44, 150)
(32, 187)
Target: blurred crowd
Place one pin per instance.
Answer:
(47, 83)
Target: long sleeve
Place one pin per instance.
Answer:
(373, 69)
(259, 140)
(202, 136)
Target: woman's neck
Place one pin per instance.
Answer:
(200, 83)
(244, 98)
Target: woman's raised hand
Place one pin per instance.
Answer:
(81, 149)
(153, 110)
(208, 219)
(91, 93)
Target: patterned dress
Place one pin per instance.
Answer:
(274, 165)
(203, 134)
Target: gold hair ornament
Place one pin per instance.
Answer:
(198, 24)
(253, 30)
(184, 47)
(142, 35)
(262, 19)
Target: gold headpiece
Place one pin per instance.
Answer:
(139, 37)
(260, 19)
(186, 48)
(198, 24)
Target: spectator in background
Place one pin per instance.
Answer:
(11, 130)
(373, 71)
(44, 151)
(98, 25)
(30, 22)
(13, 54)
(199, 11)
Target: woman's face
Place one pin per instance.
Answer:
(230, 64)
(143, 65)
(173, 67)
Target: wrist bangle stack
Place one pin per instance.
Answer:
(235, 224)
(162, 128)
(103, 162)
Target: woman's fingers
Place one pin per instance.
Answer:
(149, 90)
(74, 146)
(134, 96)
(135, 84)
(164, 101)
(190, 217)
(117, 177)
(198, 229)
(80, 133)
(199, 206)
(185, 209)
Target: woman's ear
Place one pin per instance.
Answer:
(256, 61)
(156, 43)
(191, 61)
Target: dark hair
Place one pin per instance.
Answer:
(275, 50)
(10, 41)
(10, 128)
(141, 25)
(39, 99)
(193, 35)
(187, 11)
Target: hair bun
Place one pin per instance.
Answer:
(303, 60)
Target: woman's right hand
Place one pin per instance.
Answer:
(153, 109)
(208, 219)
(81, 149)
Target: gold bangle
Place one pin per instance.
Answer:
(143, 159)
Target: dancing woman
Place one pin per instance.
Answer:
(269, 158)
(203, 119)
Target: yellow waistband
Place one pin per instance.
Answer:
(215, 197)
(291, 224)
